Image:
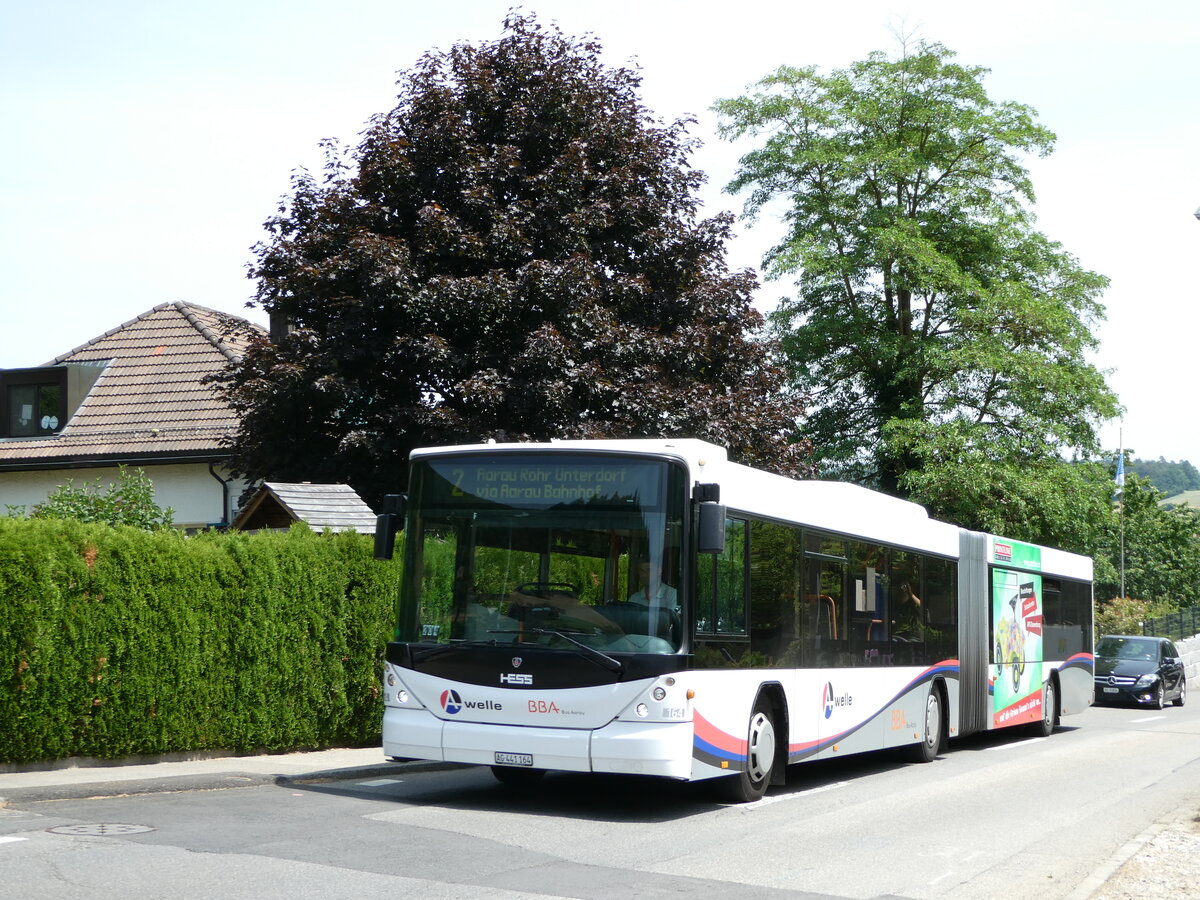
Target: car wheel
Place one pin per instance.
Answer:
(760, 757)
(1160, 696)
(1182, 698)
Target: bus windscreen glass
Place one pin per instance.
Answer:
(546, 549)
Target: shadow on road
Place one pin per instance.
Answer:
(598, 797)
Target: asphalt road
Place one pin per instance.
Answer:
(999, 815)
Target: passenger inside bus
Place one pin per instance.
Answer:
(908, 624)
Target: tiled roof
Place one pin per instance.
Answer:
(150, 400)
(334, 506)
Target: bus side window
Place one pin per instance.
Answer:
(721, 602)
(731, 580)
(823, 617)
(775, 582)
(940, 602)
(721, 585)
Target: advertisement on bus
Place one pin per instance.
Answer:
(1017, 620)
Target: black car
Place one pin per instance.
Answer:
(1147, 671)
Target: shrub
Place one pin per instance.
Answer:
(1125, 615)
(130, 501)
(119, 641)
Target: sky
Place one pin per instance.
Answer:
(143, 143)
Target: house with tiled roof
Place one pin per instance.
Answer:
(134, 396)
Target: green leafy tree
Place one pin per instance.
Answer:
(1161, 549)
(942, 338)
(127, 501)
(1006, 491)
(512, 252)
(1169, 477)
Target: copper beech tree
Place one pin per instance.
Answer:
(514, 251)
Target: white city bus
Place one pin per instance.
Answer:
(649, 607)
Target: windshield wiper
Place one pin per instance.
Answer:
(603, 659)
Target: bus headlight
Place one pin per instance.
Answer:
(642, 710)
(659, 693)
(391, 678)
(402, 696)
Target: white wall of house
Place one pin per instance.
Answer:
(188, 488)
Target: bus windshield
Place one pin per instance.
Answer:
(555, 550)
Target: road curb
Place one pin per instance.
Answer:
(226, 779)
(376, 770)
(1100, 877)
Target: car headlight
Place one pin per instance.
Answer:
(1147, 681)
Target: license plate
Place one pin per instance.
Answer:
(1111, 691)
(514, 759)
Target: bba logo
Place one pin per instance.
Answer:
(829, 700)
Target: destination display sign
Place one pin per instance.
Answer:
(539, 482)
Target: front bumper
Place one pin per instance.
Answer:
(1125, 694)
(634, 748)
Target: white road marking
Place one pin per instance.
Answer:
(1036, 740)
(776, 798)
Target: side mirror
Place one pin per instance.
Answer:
(710, 537)
(388, 524)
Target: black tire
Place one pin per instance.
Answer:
(750, 785)
(1049, 720)
(1160, 697)
(511, 776)
(1182, 698)
(931, 743)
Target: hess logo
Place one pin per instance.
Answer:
(829, 700)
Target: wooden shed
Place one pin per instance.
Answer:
(277, 505)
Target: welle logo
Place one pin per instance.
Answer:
(829, 699)
(453, 703)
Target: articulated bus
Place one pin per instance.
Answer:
(649, 607)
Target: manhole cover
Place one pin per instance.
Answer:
(104, 829)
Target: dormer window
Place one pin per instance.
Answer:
(33, 402)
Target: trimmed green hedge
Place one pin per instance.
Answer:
(119, 642)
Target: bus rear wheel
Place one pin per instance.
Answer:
(751, 784)
(1049, 720)
(931, 743)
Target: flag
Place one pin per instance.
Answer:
(1121, 474)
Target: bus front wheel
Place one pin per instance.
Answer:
(751, 784)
